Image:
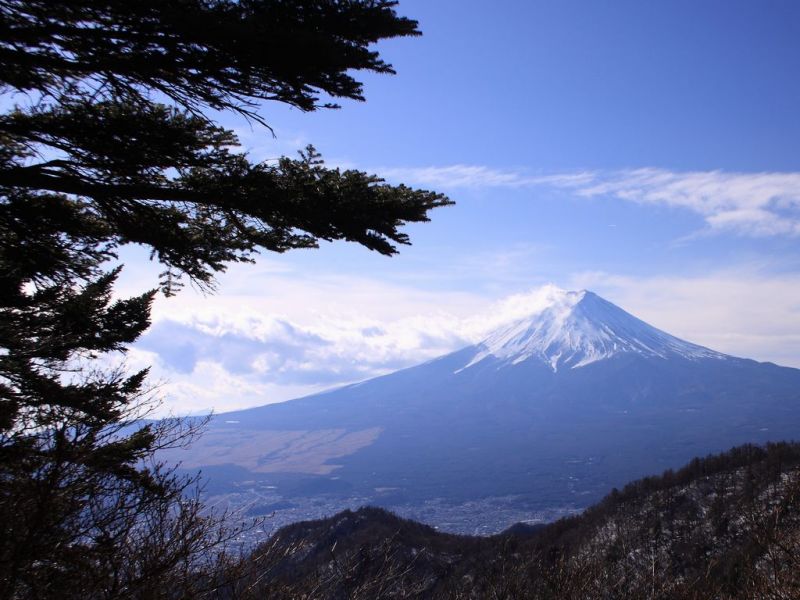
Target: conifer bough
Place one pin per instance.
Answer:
(118, 124)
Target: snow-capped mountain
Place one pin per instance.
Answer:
(577, 329)
(551, 411)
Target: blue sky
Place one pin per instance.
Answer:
(645, 150)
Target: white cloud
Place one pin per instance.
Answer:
(478, 176)
(756, 204)
(456, 176)
(751, 204)
(211, 387)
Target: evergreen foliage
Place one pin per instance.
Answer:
(107, 141)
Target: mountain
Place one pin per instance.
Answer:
(542, 417)
(727, 526)
(579, 328)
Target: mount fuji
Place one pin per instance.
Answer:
(553, 410)
(579, 328)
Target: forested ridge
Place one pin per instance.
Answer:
(725, 526)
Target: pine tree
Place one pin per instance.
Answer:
(108, 141)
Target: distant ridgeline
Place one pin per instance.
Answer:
(727, 526)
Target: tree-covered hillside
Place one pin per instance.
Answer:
(726, 526)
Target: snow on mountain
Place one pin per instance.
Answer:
(577, 329)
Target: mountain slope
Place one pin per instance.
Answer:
(550, 413)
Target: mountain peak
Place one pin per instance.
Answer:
(575, 329)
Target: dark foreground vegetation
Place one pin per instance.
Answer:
(108, 138)
(727, 526)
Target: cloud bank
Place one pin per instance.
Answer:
(226, 359)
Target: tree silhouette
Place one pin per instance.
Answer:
(109, 139)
